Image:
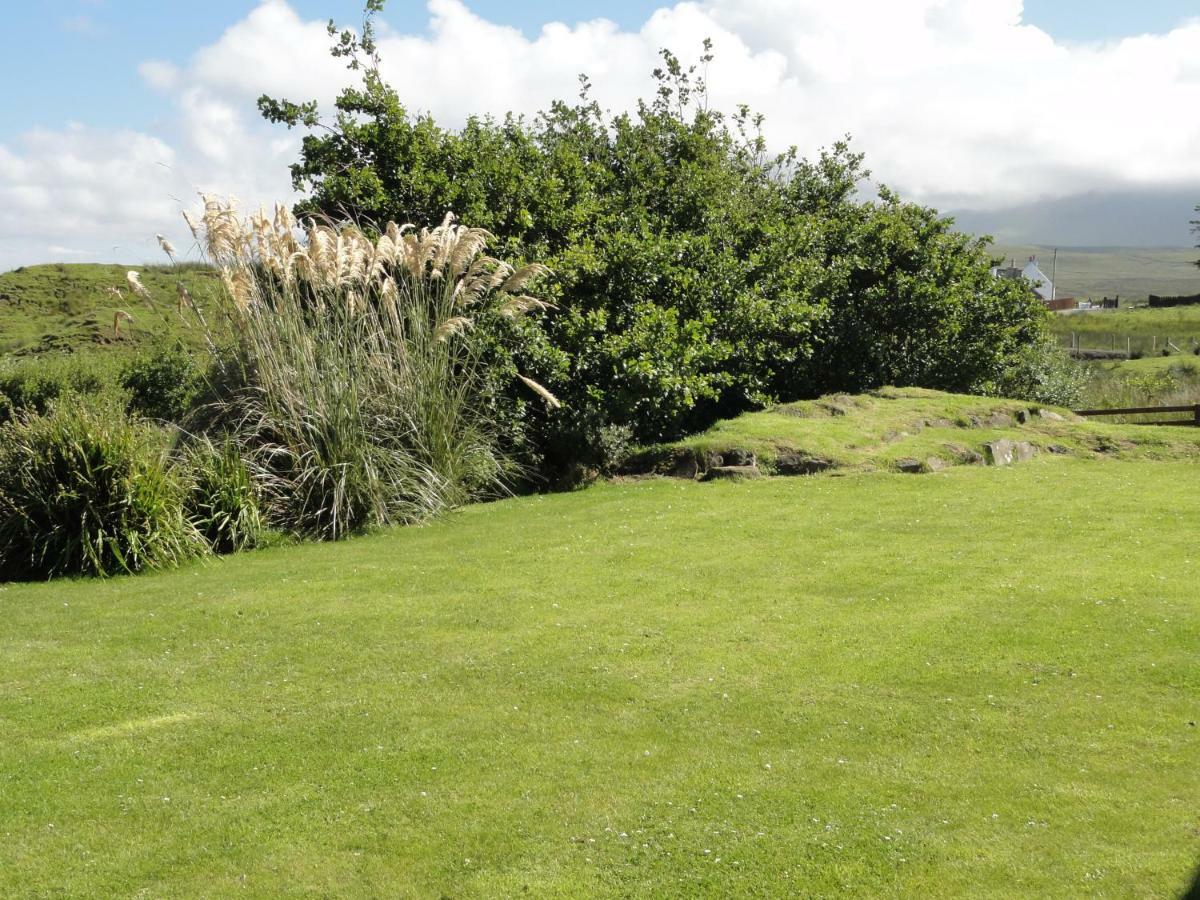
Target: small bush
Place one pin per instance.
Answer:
(163, 383)
(1043, 373)
(223, 501)
(32, 385)
(86, 491)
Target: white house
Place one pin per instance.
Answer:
(1037, 279)
(1033, 275)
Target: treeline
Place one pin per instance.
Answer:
(695, 274)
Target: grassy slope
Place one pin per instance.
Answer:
(66, 307)
(878, 430)
(978, 683)
(1131, 272)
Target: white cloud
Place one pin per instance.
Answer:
(955, 102)
(160, 75)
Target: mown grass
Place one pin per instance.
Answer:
(976, 683)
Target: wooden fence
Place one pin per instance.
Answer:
(1192, 411)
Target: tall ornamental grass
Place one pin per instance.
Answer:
(223, 500)
(85, 490)
(353, 389)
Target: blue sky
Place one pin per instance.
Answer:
(77, 59)
(944, 97)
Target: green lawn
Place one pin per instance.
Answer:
(977, 683)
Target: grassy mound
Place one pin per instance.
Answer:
(67, 308)
(979, 684)
(905, 429)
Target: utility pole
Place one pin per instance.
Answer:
(1054, 276)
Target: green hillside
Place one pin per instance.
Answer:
(57, 308)
(1133, 273)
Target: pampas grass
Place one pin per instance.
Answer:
(167, 247)
(135, 284)
(353, 388)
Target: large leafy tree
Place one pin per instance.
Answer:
(696, 274)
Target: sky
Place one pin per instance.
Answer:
(1050, 121)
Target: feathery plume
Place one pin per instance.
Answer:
(192, 224)
(167, 248)
(119, 316)
(135, 284)
(551, 400)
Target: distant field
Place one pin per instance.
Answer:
(1133, 273)
(67, 308)
(1140, 330)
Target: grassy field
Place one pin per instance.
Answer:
(57, 308)
(1133, 273)
(976, 683)
(1145, 331)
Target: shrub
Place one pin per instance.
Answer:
(353, 389)
(1043, 372)
(85, 491)
(696, 274)
(163, 382)
(33, 384)
(223, 500)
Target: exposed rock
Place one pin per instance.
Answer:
(999, 420)
(936, 464)
(966, 455)
(685, 465)
(738, 473)
(737, 457)
(939, 423)
(1000, 453)
(1006, 452)
(891, 437)
(910, 466)
(713, 460)
(1050, 415)
(791, 463)
(1059, 450)
(1023, 416)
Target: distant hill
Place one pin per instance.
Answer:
(67, 307)
(1131, 272)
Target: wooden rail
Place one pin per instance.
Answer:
(1194, 421)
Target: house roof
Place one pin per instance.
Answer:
(1042, 285)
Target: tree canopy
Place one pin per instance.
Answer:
(696, 274)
